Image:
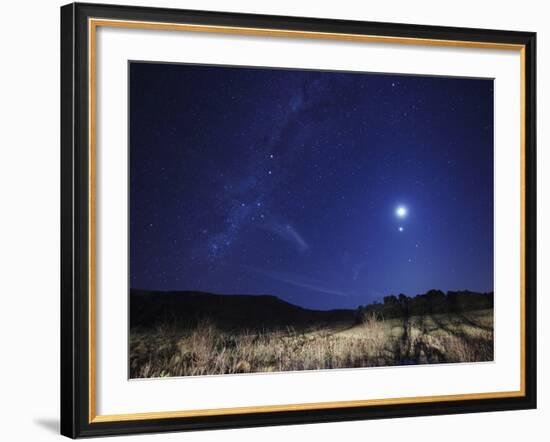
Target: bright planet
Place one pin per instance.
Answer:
(401, 211)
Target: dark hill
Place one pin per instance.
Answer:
(149, 308)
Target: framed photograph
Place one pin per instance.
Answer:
(279, 220)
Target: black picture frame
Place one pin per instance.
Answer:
(76, 403)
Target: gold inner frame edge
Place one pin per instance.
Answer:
(93, 24)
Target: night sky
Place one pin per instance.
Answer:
(326, 189)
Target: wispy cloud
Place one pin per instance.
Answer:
(297, 281)
(288, 233)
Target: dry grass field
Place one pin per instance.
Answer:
(166, 351)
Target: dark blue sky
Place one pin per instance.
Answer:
(286, 182)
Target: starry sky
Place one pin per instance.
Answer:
(326, 189)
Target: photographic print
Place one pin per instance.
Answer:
(288, 219)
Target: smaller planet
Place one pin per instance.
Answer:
(401, 229)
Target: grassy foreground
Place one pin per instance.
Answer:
(166, 351)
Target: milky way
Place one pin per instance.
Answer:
(286, 182)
